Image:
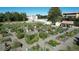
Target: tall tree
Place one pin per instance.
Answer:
(7, 16)
(13, 16)
(2, 17)
(54, 14)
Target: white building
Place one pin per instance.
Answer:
(67, 23)
(71, 14)
(34, 18)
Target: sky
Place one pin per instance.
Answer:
(37, 10)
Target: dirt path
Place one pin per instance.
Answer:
(41, 42)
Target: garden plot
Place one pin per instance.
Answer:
(32, 35)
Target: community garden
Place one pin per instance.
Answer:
(32, 33)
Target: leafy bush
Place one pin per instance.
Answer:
(13, 28)
(43, 35)
(1, 24)
(62, 37)
(1, 38)
(76, 22)
(20, 33)
(53, 32)
(57, 30)
(60, 29)
(76, 31)
(53, 42)
(16, 45)
(35, 48)
(4, 32)
(6, 40)
(30, 39)
(38, 48)
(70, 34)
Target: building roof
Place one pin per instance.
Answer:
(71, 13)
(67, 22)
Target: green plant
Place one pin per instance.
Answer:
(20, 33)
(35, 48)
(38, 48)
(1, 38)
(16, 45)
(6, 40)
(43, 35)
(1, 24)
(30, 39)
(53, 42)
(53, 32)
(76, 31)
(61, 37)
(54, 14)
(4, 32)
(60, 29)
(70, 34)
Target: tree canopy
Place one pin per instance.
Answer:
(12, 16)
(54, 14)
(42, 16)
(76, 22)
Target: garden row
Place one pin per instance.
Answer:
(31, 32)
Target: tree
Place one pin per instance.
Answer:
(41, 16)
(2, 17)
(76, 22)
(13, 16)
(7, 16)
(24, 16)
(54, 14)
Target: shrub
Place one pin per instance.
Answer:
(13, 28)
(53, 32)
(60, 29)
(16, 45)
(38, 48)
(30, 39)
(43, 35)
(4, 32)
(61, 37)
(1, 38)
(6, 40)
(53, 42)
(1, 24)
(35, 48)
(20, 33)
(70, 34)
(76, 31)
